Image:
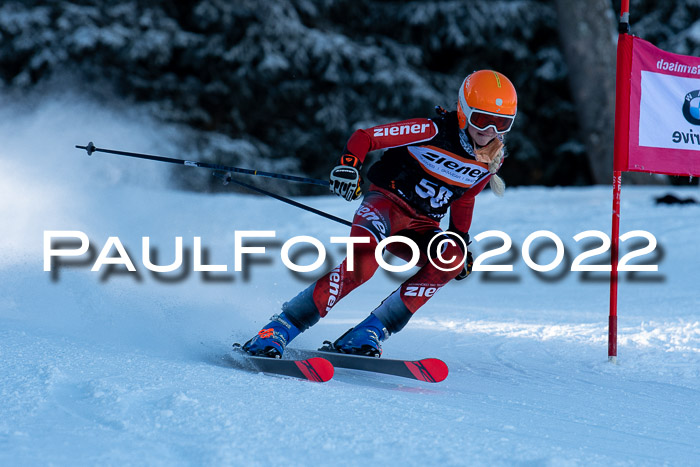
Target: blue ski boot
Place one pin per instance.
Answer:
(273, 338)
(363, 339)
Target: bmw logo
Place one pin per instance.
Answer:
(691, 107)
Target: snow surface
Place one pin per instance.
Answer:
(120, 368)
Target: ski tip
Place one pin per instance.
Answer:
(316, 369)
(431, 370)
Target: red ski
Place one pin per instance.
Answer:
(431, 370)
(317, 369)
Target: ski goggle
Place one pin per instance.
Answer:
(482, 120)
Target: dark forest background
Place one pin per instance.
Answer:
(281, 84)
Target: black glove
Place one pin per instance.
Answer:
(467, 269)
(345, 178)
(469, 261)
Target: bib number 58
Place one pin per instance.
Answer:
(438, 195)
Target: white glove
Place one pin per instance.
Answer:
(345, 182)
(345, 178)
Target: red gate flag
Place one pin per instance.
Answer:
(658, 119)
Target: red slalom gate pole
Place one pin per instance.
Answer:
(620, 156)
(625, 14)
(614, 254)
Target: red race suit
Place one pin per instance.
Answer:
(426, 169)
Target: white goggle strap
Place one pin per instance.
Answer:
(463, 102)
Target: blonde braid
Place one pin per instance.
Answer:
(498, 186)
(492, 154)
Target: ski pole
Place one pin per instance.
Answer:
(226, 177)
(90, 148)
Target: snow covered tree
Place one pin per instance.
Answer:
(282, 83)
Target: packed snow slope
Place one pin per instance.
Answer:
(116, 367)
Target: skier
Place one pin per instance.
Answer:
(429, 165)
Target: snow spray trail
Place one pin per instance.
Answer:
(48, 184)
(45, 181)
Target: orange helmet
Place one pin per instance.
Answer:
(487, 99)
